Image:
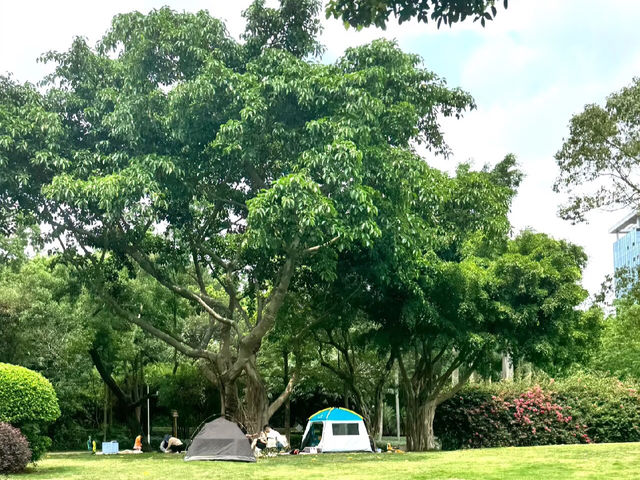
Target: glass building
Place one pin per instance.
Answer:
(626, 249)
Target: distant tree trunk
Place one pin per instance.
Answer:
(507, 367)
(287, 405)
(105, 413)
(397, 395)
(378, 415)
(128, 408)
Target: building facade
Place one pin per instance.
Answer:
(626, 249)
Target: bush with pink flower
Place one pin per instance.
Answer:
(579, 409)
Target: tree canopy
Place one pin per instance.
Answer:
(364, 13)
(599, 160)
(173, 151)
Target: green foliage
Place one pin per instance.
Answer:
(28, 137)
(294, 27)
(363, 13)
(46, 326)
(478, 418)
(609, 407)
(14, 450)
(220, 170)
(28, 401)
(602, 143)
(619, 351)
(581, 408)
(26, 396)
(185, 390)
(538, 282)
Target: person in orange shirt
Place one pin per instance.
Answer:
(137, 446)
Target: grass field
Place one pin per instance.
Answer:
(610, 461)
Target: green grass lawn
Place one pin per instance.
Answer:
(606, 461)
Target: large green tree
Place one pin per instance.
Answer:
(445, 288)
(216, 168)
(524, 301)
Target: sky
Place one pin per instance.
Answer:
(530, 70)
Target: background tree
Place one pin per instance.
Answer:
(599, 162)
(364, 13)
(524, 301)
(446, 289)
(618, 353)
(350, 350)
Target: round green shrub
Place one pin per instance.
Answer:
(26, 396)
(14, 450)
(29, 402)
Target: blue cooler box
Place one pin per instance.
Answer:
(110, 448)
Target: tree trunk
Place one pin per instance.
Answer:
(378, 415)
(507, 368)
(287, 404)
(256, 404)
(419, 426)
(230, 401)
(105, 433)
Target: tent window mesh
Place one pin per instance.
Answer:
(345, 429)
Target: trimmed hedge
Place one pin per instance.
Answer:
(28, 401)
(581, 409)
(14, 450)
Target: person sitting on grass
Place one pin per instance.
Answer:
(174, 445)
(171, 445)
(137, 445)
(280, 440)
(260, 440)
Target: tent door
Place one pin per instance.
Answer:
(313, 436)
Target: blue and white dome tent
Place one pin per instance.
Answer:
(336, 430)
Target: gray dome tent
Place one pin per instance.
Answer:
(220, 439)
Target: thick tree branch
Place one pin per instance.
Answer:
(405, 377)
(107, 378)
(156, 332)
(254, 176)
(203, 300)
(250, 344)
(455, 389)
(277, 403)
(444, 378)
